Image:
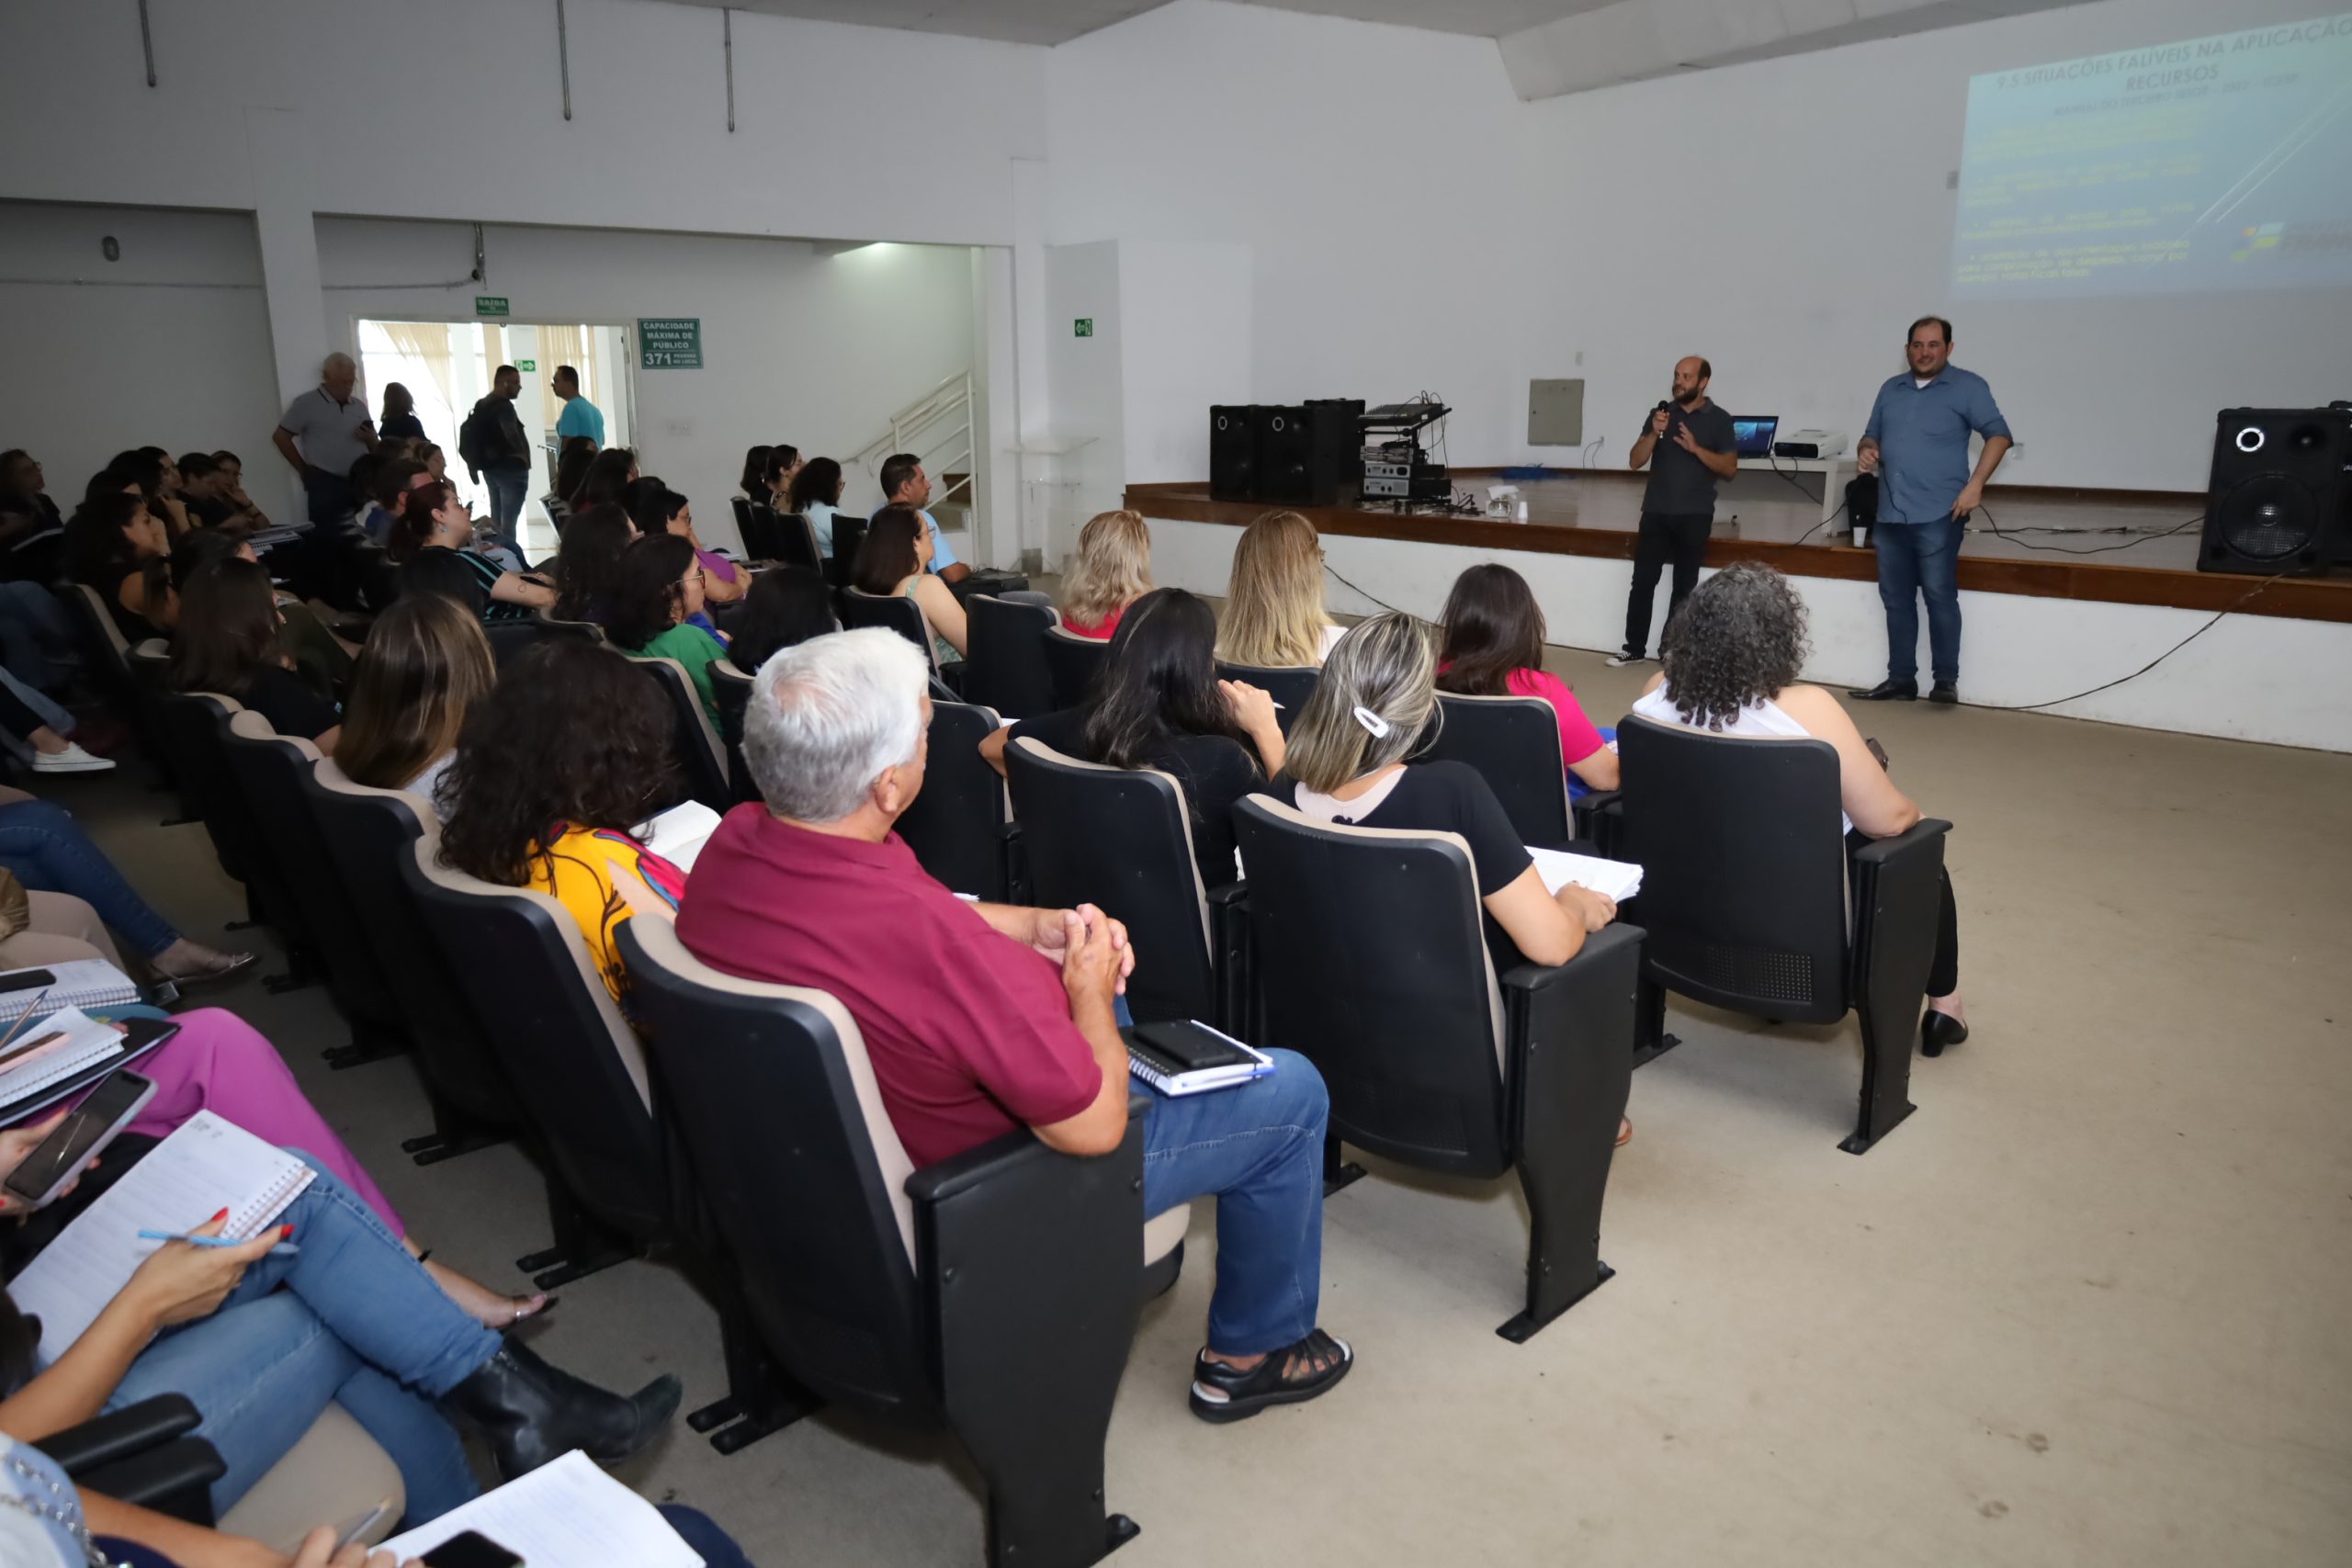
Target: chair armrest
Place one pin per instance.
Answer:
(149, 1423)
(1229, 955)
(1599, 819)
(1570, 1050)
(1029, 1263)
(1013, 856)
(1897, 882)
(175, 1479)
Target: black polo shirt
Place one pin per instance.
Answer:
(1680, 485)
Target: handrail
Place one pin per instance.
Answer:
(936, 427)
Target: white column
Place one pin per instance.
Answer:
(1030, 412)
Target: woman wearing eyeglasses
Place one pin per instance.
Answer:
(658, 590)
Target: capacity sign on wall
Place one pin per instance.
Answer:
(669, 343)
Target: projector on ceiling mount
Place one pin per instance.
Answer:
(1809, 444)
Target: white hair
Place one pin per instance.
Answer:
(828, 716)
(338, 361)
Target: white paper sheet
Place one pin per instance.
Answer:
(678, 834)
(564, 1515)
(1616, 879)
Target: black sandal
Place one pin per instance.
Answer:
(1223, 1393)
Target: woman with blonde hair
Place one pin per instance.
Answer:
(426, 664)
(1274, 607)
(1110, 571)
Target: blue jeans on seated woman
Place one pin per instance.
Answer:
(49, 851)
(1258, 1149)
(359, 1323)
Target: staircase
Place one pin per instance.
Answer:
(936, 427)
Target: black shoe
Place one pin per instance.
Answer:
(1221, 1393)
(1889, 692)
(532, 1413)
(1938, 1029)
(1945, 692)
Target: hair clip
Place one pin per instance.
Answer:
(1377, 726)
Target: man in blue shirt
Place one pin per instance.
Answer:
(1916, 443)
(905, 484)
(579, 417)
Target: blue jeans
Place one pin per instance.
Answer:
(714, 1546)
(36, 635)
(1260, 1149)
(358, 1322)
(507, 488)
(1921, 559)
(48, 851)
(41, 706)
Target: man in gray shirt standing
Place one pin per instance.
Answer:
(322, 434)
(1694, 444)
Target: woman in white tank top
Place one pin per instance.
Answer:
(1731, 661)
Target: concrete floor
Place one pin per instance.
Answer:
(2084, 1308)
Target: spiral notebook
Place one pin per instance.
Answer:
(1187, 1056)
(206, 1165)
(85, 983)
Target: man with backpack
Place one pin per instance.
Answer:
(496, 452)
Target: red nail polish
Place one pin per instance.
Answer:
(218, 1218)
(285, 1231)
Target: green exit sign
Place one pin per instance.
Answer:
(526, 365)
(490, 305)
(1086, 326)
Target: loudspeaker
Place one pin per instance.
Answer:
(2280, 488)
(1233, 451)
(1311, 454)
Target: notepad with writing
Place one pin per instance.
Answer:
(564, 1514)
(208, 1164)
(53, 1056)
(1617, 879)
(678, 834)
(86, 982)
(1189, 1057)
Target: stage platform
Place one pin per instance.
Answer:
(1595, 512)
(2072, 635)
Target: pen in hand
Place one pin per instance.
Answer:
(283, 1249)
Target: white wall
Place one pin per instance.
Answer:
(1414, 226)
(167, 346)
(2020, 649)
(1189, 328)
(1087, 390)
(817, 350)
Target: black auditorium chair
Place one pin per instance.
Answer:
(1006, 667)
(576, 1065)
(269, 769)
(150, 664)
(368, 832)
(702, 755)
(795, 543)
(899, 613)
(743, 525)
(994, 1294)
(1745, 895)
(1073, 663)
(1514, 743)
(762, 533)
(1289, 684)
(196, 730)
(731, 689)
(1123, 840)
(849, 536)
(509, 640)
(1368, 956)
(958, 825)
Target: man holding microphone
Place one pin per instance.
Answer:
(1916, 443)
(1696, 447)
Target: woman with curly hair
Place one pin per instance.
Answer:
(553, 773)
(1111, 571)
(1732, 657)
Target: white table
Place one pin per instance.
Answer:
(1757, 482)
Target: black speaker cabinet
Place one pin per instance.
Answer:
(2280, 489)
(1233, 451)
(1311, 454)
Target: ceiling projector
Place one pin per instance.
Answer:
(1809, 444)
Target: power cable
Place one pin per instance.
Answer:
(2240, 604)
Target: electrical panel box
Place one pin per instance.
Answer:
(1555, 413)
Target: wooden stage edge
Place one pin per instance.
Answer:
(2294, 598)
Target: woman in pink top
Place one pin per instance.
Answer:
(1494, 647)
(1111, 571)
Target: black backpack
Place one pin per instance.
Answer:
(478, 441)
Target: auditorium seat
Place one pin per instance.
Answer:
(1514, 743)
(702, 756)
(897, 613)
(1745, 893)
(1005, 668)
(577, 1068)
(509, 640)
(1368, 956)
(269, 769)
(1073, 663)
(956, 826)
(368, 833)
(795, 543)
(1289, 684)
(763, 532)
(1123, 840)
(732, 690)
(994, 1294)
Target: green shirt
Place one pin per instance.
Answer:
(693, 649)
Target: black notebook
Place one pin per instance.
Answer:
(1187, 1056)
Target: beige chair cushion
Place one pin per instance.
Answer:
(1163, 1232)
(332, 1477)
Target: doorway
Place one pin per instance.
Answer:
(448, 366)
